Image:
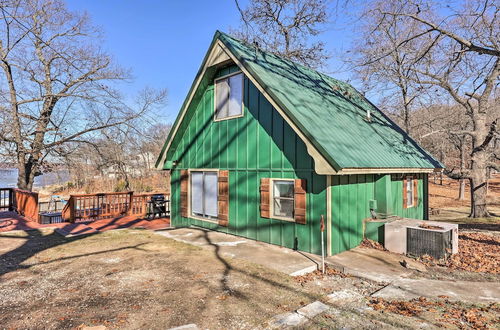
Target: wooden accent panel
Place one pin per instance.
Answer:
(223, 198)
(415, 192)
(184, 192)
(265, 198)
(300, 201)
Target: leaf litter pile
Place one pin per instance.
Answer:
(477, 252)
(318, 274)
(368, 243)
(445, 311)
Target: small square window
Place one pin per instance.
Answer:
(410, 192)
(229, 97)
(283, 199)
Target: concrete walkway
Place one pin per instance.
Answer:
(383, 266)
(365, 263)
(271, 256)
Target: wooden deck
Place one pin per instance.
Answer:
(10, 221)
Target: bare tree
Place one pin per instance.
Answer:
(285, 28)
(459, 57)
(56, 84)
(383, 56)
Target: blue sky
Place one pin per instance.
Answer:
(164, 42)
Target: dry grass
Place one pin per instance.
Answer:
(134, 279)
(445, 199)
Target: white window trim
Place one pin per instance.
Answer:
(271, 201)
(190, 214)
(242, 96)
(412, 187)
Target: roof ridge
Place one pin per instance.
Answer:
(269, 53)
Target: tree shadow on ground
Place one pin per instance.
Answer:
(37, 241)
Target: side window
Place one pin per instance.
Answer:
(229, 97)
(410, 192)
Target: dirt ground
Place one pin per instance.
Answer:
(133, 279)
(136, 279)
(444, 198)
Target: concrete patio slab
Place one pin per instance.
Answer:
(281, 259)
(371, 264)
(313, 309)
(287, 320)
(186, 327)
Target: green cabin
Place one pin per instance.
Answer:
(264, 148)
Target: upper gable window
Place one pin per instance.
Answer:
(229, 96)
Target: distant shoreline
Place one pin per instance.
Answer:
(8, 178)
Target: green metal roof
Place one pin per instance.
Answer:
(331, 113)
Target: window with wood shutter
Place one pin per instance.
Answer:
(184, 182)
(283, 199)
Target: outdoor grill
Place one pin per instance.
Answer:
(158, 206)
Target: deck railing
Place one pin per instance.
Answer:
(23, 202)
(91, 207)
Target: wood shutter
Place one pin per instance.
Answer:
(415, 192)
(184, 193)
(405, 193)
(265, 198)
(223, 198)
(300, 201)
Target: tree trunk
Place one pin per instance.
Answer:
(26, 173)
(478, 195)
(461, 186)
(479, 171)
(461, 190)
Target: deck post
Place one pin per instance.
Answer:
(130, 200)
(11, 200)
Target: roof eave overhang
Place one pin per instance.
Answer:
(388, 170)
(213, 57)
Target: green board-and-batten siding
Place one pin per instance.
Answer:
(258, 145)
(262, 145)
(350, 196)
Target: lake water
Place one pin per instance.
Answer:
(8, 178)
